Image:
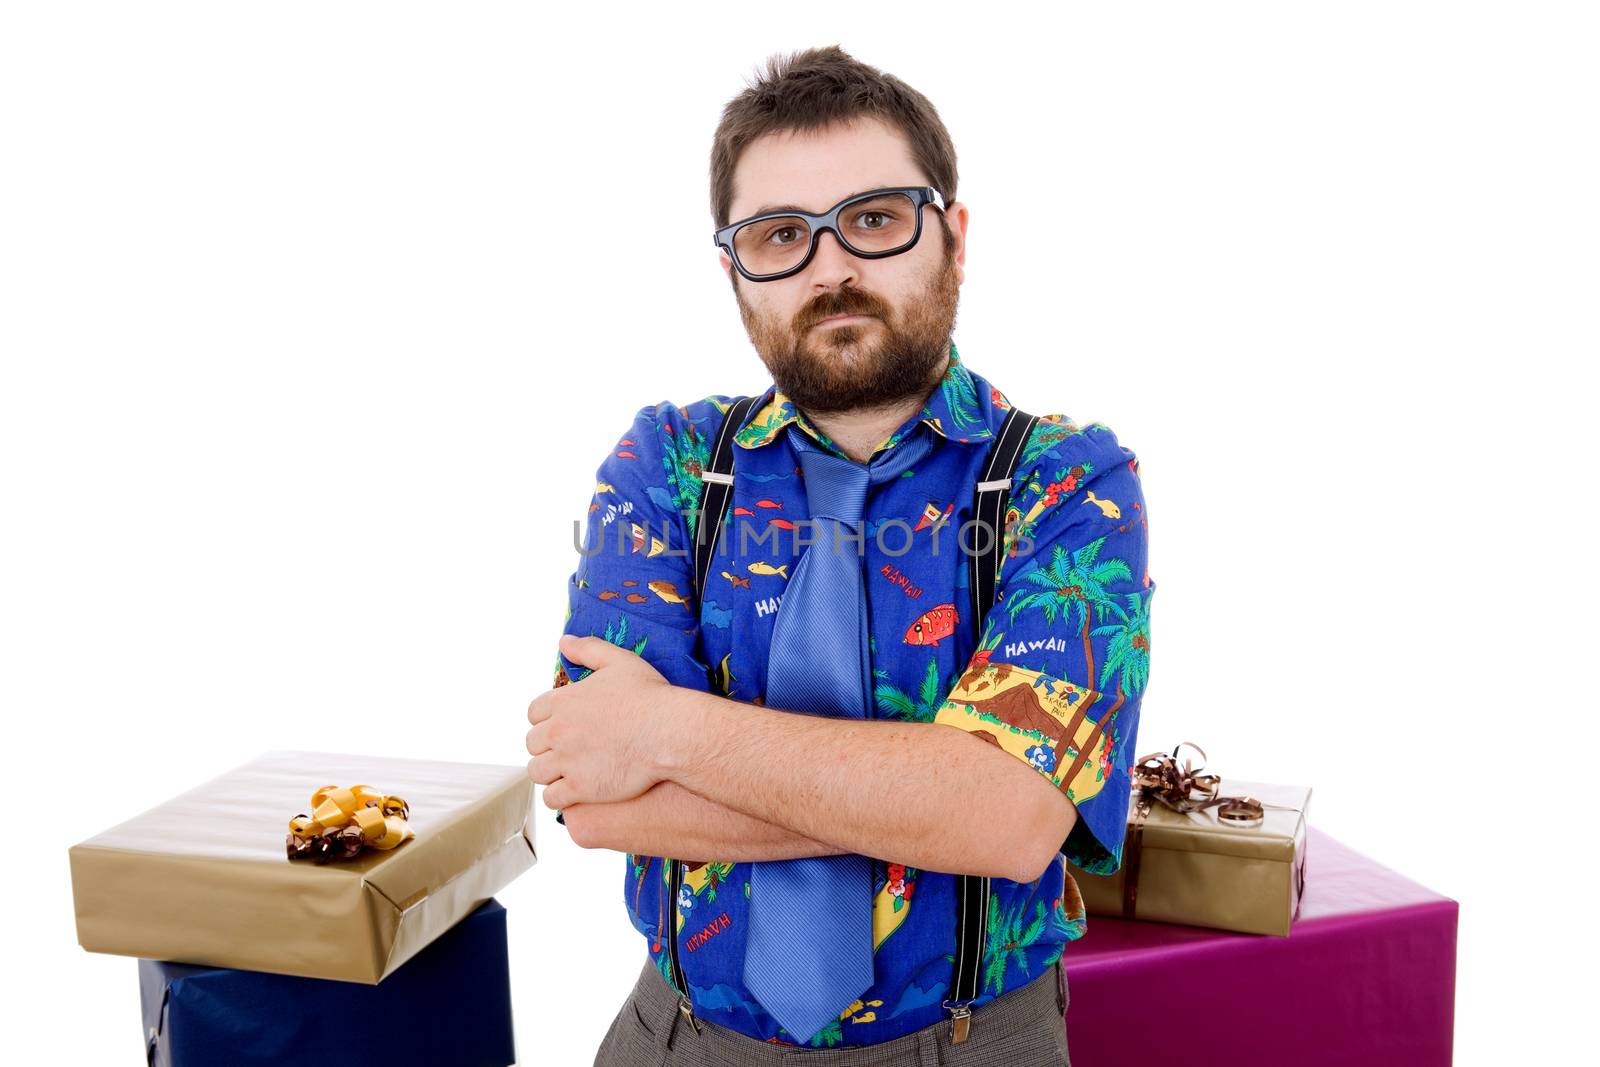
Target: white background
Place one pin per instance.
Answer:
(314, 333)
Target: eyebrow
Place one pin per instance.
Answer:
(770, 208)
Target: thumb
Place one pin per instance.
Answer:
(592, 652)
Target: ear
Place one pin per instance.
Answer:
(956, 216)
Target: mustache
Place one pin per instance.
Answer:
(844, 302)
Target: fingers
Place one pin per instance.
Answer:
(542, 768)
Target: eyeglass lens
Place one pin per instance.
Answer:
(881, 224)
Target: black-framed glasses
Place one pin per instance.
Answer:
(872, 225)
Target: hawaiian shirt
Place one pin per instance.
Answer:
(1066, 646)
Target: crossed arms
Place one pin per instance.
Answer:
(740, 783)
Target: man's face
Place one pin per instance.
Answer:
(909, 300)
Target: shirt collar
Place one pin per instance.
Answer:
(952, 410)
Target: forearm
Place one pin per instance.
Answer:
(977, 810)
(669, 820)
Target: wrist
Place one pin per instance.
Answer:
(680, 714)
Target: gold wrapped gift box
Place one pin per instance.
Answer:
(1202, 868)
(205, 878)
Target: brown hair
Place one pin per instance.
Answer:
(818, 87)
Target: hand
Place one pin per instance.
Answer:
(596, 741)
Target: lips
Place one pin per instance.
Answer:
(848, 315)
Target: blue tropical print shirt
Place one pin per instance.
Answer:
(1066, 645)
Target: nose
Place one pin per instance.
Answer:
(832, 265)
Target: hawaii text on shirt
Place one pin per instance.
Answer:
(1066, 646)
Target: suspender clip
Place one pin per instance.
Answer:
(960, 1022)
(990, 498)
(686, 1010)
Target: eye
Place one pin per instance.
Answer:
(792, 233)
(874, 219)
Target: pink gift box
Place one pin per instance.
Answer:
(1366, 976)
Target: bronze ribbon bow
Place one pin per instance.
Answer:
(344, 820)
(1158, 778)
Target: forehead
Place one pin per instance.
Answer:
(815, 169)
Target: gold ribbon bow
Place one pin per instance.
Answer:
(344, 820)
(1157, 778)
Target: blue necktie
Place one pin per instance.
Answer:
(809, 951)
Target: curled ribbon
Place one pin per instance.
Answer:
(344, 820)
(1157, 778)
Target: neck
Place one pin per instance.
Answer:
(858, 431)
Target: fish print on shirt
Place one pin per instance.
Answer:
(1065, 647)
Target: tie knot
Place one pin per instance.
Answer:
(836, 487)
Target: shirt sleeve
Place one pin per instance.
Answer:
(1065, 651)
(634, 581)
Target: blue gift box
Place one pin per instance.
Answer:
(447, 1006)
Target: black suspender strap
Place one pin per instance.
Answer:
(716, 486)
(989, 500)
(990, 497)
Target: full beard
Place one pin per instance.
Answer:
(861, 365)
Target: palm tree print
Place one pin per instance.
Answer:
(684, 456)
(1073, 586)
(898, 704)
(1061, 623)
(1046, 435)
(617, 634)
(1008, 939)
(962, 400)
(830, 1035)
(1128, 646)
(716, 874)
(1128, 658)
